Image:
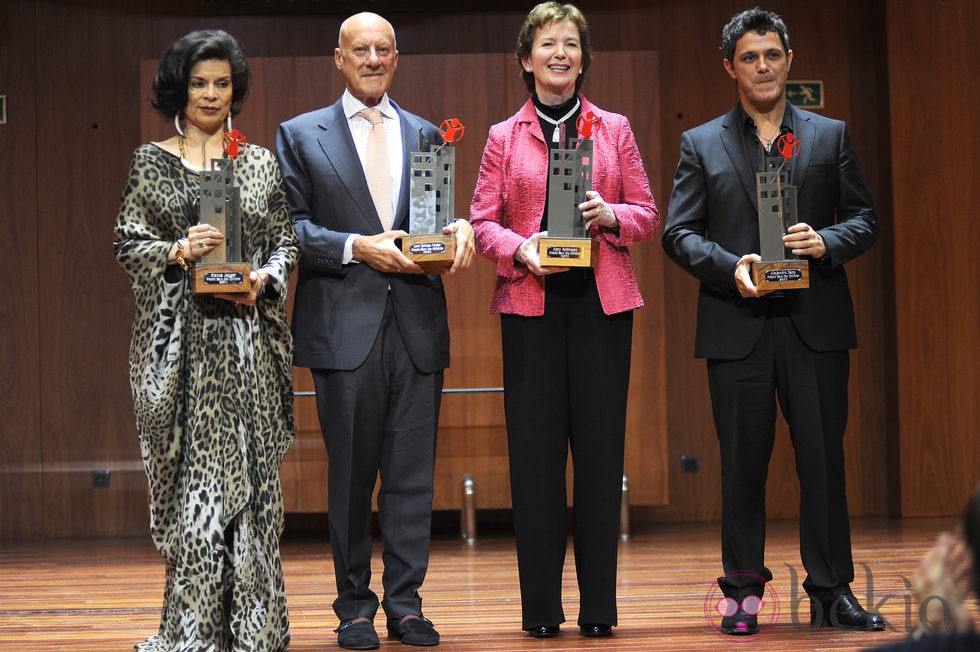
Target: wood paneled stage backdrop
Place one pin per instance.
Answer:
(75, 95)
(472, 439)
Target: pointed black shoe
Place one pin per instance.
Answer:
(543, 631)
(413, 630)
(740, 623)
(595, 631)
(357, 634)
(845, 612)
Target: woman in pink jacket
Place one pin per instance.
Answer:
(566, 333)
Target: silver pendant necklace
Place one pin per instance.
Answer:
(557, 123)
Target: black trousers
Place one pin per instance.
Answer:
(566, 376)
(811, 387)
(381, 417)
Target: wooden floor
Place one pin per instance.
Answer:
(105, 595)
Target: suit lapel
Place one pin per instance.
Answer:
(338, 146)
(537, 152)
(528, 115)
(734, 143)
(804, 130)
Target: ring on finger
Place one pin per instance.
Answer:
(202, 244)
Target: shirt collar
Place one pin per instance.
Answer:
(352, 105)
(749, 124)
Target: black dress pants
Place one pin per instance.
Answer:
(566, 376)
(811, 387)
(380, 417)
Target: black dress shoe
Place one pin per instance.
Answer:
(357, 634)
(844, 612)
(740, 623)
(413, 630)
(594, 631)
(543, 631)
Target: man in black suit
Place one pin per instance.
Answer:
(373, 329)
(790, 344)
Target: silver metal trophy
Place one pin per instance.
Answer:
(222, 269)
(779, 269)
(432, 201)
(569, 178)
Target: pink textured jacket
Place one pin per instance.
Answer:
(509, 201)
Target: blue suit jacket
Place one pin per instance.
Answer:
(713, 221)
(337, 309)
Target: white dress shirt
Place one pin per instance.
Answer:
(359, 128)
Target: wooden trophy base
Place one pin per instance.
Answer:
(781, 274)
(568, 252)
(433, 252)
(217, 278)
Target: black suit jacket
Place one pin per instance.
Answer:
(337, 309)
(713, 221)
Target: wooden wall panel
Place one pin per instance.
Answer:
(436, 82)
(65, 392)
(870, 405)
(472, 436)
(697, 89)
(21, 495)
(87, 127)
(937, 318)
(620, 82)
(694, 89)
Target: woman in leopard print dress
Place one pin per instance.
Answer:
(211, 374)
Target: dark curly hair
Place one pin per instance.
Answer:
(173, 75)
(752, 20)
(541, 15)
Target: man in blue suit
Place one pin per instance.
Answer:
(790, 344)
(372, 327)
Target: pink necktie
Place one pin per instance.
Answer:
(376, 165)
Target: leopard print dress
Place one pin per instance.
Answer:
(212, 387)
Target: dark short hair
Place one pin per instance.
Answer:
(173, 75)
(541, 15)
(757, 20)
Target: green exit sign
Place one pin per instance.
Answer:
(805, 94)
